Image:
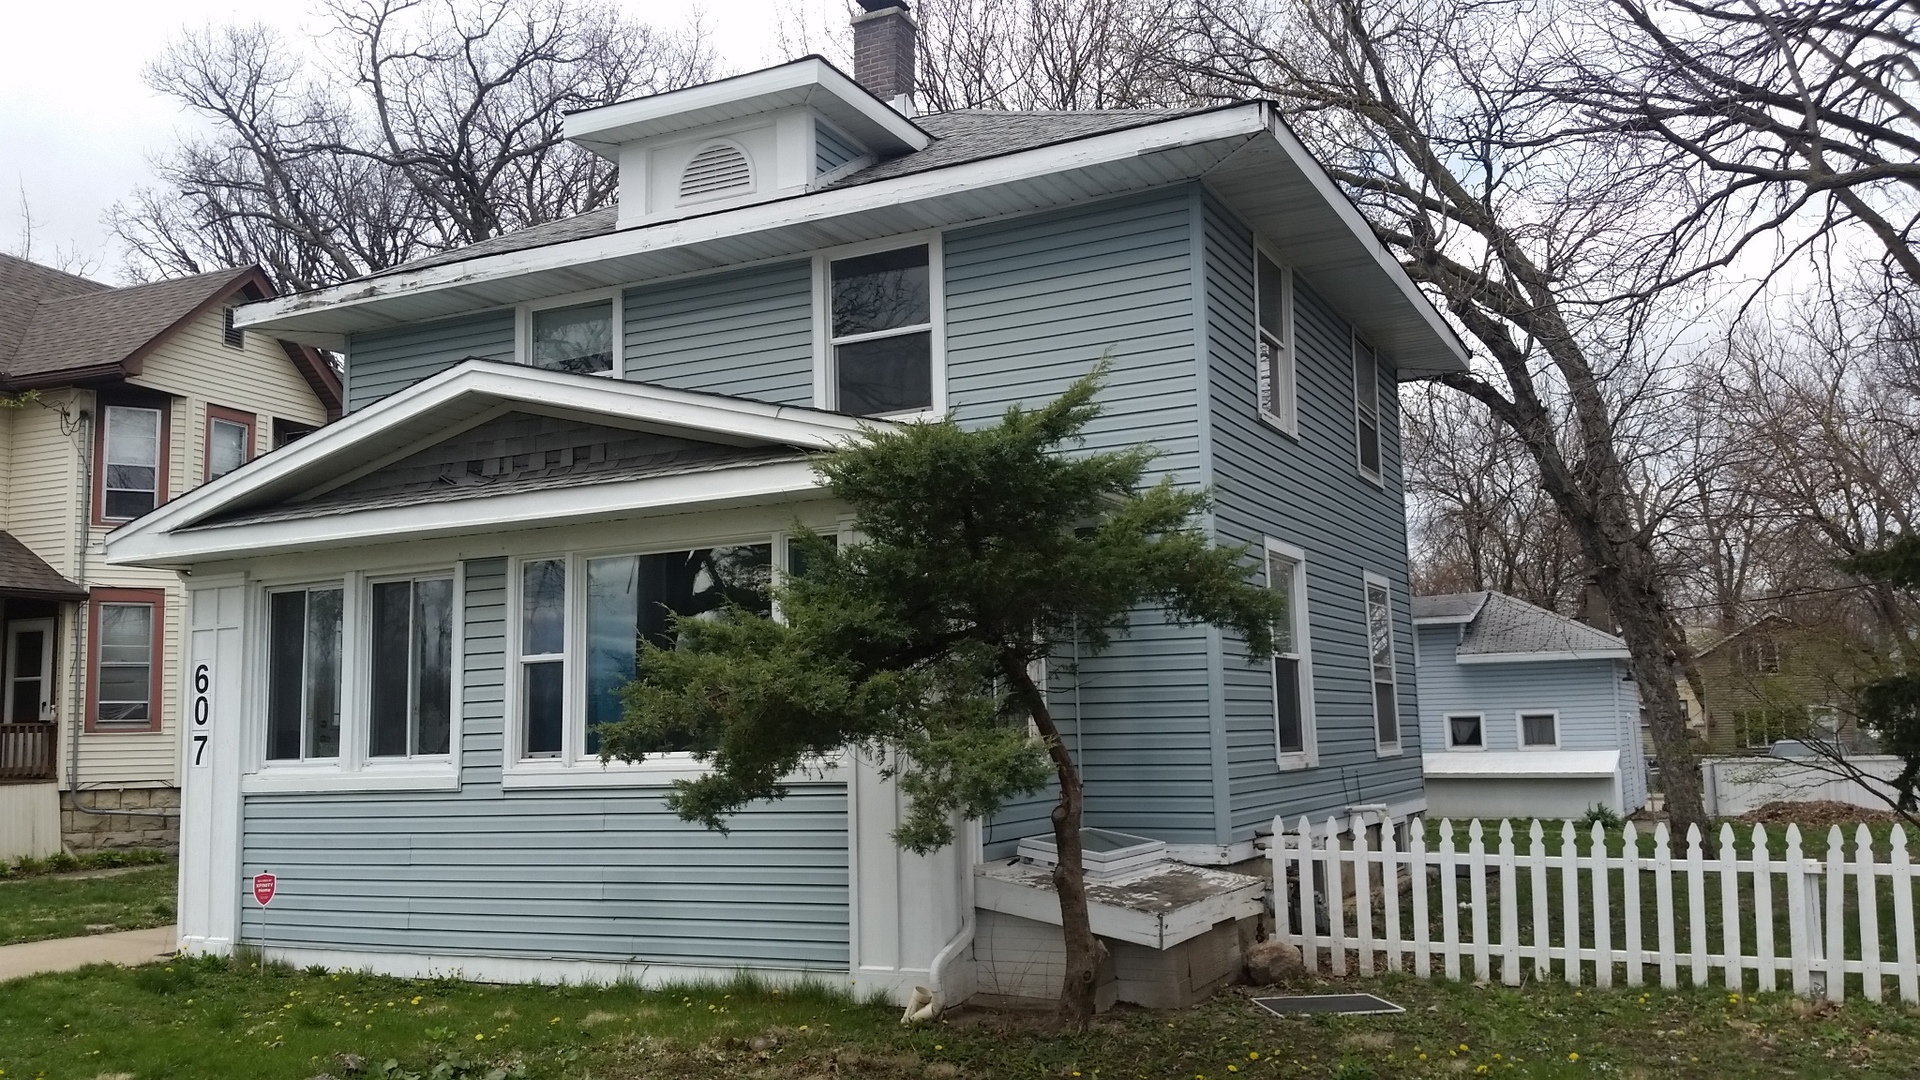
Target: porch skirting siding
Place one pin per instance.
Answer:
(29, 821)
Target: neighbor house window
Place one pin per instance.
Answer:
(229, 440)
(1539, 731)
(578, 338)
(1466, 731)
(124, 656)
(133, 458)
(1760, 656)
(1823, 721)
(1273, 298)
(1291, 667)
(1380, 660)
(289, 431)
(303, 673)
(880, 335)
(1759, 728)
(1366, 406)
(410, 660)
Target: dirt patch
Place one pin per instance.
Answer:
(1817, 812)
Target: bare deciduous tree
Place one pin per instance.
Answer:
(1034, 55)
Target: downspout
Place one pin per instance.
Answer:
(962, 938)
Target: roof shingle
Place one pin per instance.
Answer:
(1502, 625)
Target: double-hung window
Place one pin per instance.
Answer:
(1273, 296)
(1291, 664)
(304, 665)
(881, 332)
(1366, 407)
(229, 440)
(1380, 662)
(124, 656)
(1466, 731)
(132, 459)
(410, 667)
(1539, 730)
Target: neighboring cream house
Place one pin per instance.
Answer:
(117, 399)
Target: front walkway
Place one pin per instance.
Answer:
(128, 948)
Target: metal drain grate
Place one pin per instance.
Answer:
(1328, 1004)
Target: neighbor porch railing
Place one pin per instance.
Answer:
(27, 752)
(1597, 906)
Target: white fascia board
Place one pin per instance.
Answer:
(1521, 764)
(284, 313)
(807, 81)
(621, 402)
(1444, 620)
(1363, 234)
(683, 493)
(1540, 657)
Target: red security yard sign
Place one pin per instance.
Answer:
(263, 888)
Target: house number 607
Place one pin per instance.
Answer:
(202, 711)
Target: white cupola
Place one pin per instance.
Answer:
(765, 135)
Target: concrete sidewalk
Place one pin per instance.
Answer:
(64, 954)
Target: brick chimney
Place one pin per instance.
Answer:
(883, 46)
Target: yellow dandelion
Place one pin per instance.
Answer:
(1253, 1055)
(1480, 1069)
(1571, 1056)
(479, 1037)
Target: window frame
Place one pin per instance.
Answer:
(159, 403)
(1447, 720)
(365, 686)
(1308, 756)
(1376, 476)
(825, 373)
(1520, 730)
(156, 720)
(222, 415)
(1381, 748)
(1289, 423)
(523, 327)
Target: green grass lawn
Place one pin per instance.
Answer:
(216, 1020)
(66, 905)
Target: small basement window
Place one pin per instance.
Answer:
(716, 170)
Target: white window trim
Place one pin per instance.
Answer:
(354, 769)
(1382, 749)
(1289, 424)
(1308, 756)
(574, 767)
(523, 325)
(1520, 729)
(825, 380)
(1465, 748)
(1355, 342)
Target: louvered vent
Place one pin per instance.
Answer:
(716, 169)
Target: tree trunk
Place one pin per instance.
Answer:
(1085, 953)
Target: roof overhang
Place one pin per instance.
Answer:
(810, 81)
(1243, 151)
(187, 530)
(1520, 764)
(1541, 657)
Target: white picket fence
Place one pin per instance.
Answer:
(1507, 899)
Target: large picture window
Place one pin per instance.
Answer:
(304, 650)
(132, 459)
(410, 662)
(1291, 666)
(125, 631)
(881, 313)
(1273, 297)
(1380, 661)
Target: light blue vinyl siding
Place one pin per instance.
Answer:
(606, 874)
(382, 362)
(744, 332)
(1307, 492)
(1032, 304)
(830, 150)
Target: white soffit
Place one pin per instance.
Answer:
(809, 81)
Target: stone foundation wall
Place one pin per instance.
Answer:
(82, 832)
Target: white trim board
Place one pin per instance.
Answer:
(1522, 764)
(1539, 657)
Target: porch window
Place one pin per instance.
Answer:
(1273, 297)
(1366, 408)
(543, 659)
(1539, 731)
(123, 655)
(411, 667)
(1386, 706)
(1292, 687)
(1465, 731)
(303, 673)
(132, 460)
(881, 333)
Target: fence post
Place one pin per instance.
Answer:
(1449, 901)
(1417, 875)
(1867, 886)
(1362, 893)
(1763, 935)
(1696, 907)
(1305, 864)
(1509, 915)
(1477, 892)
(1733, 962)
(1390, 886)
(1803, 936)
(1836, 970)
(1663, 902)
(1903, 943)
(1602, 913)
(1336, 898)
(1630, 900)
(1542, 940)
(1570, 903)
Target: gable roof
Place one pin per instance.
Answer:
(683, 450)
(1502, 629)
(22, 573)
(57, 329)
(1770, 620)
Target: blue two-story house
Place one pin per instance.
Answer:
(404, 628)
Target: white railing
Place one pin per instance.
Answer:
(1593, 908)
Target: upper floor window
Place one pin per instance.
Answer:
(578, 338)
(1366, 407)
(229, 440)
(132, 455)
(1292, 676)
(123, 659)
(1380, 659)
(1760, 656)
(287, 431)
(1273, 298)
(881, 332)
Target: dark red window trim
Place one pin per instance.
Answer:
(102, 402)
(97, 597)
(231, 416)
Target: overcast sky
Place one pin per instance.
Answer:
(77, 124)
